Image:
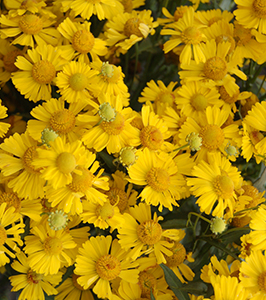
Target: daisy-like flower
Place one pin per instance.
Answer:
(32, 284)
(216, 68)
(211, 16)
(9, 233)
(186, 32)
(31, 29)
(48, 250)
(82, 42)
(159, 175)
(142, 234)
(25, 179)
(37, 72)
(215, 181)
(3, 126)
(126, 29)
(101, 261)
(178, 14)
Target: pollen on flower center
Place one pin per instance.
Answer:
(108, 267)
(132, 27)
(81, 182)
(118, 197)
(33, 277)
(83, 41)
(226, 97)
(212, 136)
(66, 162)
(30, 24)
(52, 245)
(158, 179)
(11, 199)
(259, 8)
(262, 281)
(3, 235)
(224, 186)
(78, 82)
(116, 126)
(191, 35)
(179, 255)
(151, 137)
(9, 60)
(57, 220)
(106, 211)
(27, 159)
(199, 102)
(62, 121)
(147, 283)
(43, 72)
(149, 232)
(215, 68)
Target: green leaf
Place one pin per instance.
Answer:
(174, 283)
(175, 223)
(195, 287)
(152, 297)
(234, 234)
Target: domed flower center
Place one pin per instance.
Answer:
(262, 281)
(199, 102)
(116, 126)
(149, 232)
(259, 8)
(57, 220)
(151, 137)
(106, 211)
(52, 245)
(75, 282)
(30, 24)
(107, 112)
(81, 182)
(224, 186)
(215, 68)
(43, 72)
(242, 35)
(212, 136)
(33, 277)
(166, 97)
(66, 162)
(225, 96)
(11, 199)
(231, 150)
(158, 179)
(194, 140)
(128, 5)
(218, 225)
(179, 255)
(9, 60)
(62, 121)
(3, 235)
(127, 156)
(27, 159)
(226, 38)
(147, 283)
(256, 137)
(78, 82)
(118, 197)
(110, 73)
(83, 41)
(108, 267)
(191, 35)
(132, 27)
(48, 135)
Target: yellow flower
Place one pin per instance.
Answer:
(178, 14)
(211, 16)
(3, 126)
(129, 5)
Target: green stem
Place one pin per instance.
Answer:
(179, 148)
(136, 64)
(261, 85)
(199, 216)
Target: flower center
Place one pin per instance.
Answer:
(52, 245)
(62, 121)
(226, 38)
(30, 24)
(66, 162)
(215, 68)
(127, 156)
(158, 179)
(128, 6)
(179, 255)
(33, 277)
(132, 27)
(57, 220)
(225, 96)
(191, 35)
(256, 137)
(81, 182)
(259, 7)
(218, 225)
(75, 282)
(194, 140)
(262, 281)
(78, 82)
(83, 41)
(43, 72)
(149, 232)
(110, 73)
(48, 135)
(3, 235)
(151, 137)
(212, 136)
(106, 211)
(242, 35)
(224, 186)
(118, 197)
(166, 97)
(107, 112)
(11, 199)
(147, 283)
(199, 102)
(116, 126)
(9, 60)
(29, 155)
(108, 267)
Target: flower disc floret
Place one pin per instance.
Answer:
(218, 225)
(108, 267)
(118, 197)
(48, 135)
(127, 156)
(11, 199)
(107, 112)
(57, 220)
(66, 162)
(212, 136)
(83, 41)
(199, 102)
(191, 35)
(215, 68)
(132, 27)
(28, 158)
(158, 179)
(43, 72)
(179, 255)
(262, 281)
(81, 182)
(224, 186)
(116, 126)
(151, 137)
(147, 283)
(78, 82)
(259, 7)
(149, 232)
(30, 24)
(63, 121)
(9, 60)
(52, 246)
(33, 277)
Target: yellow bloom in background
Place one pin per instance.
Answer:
(81, 41)
(9, 233)
(129, 5)
(31, 30)
(48, 250)
(3, 126)
(37, 72)
(178, 14)
(32, 284)
(159, 175)
(25, 178)
(211, 16)
(101, 261)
